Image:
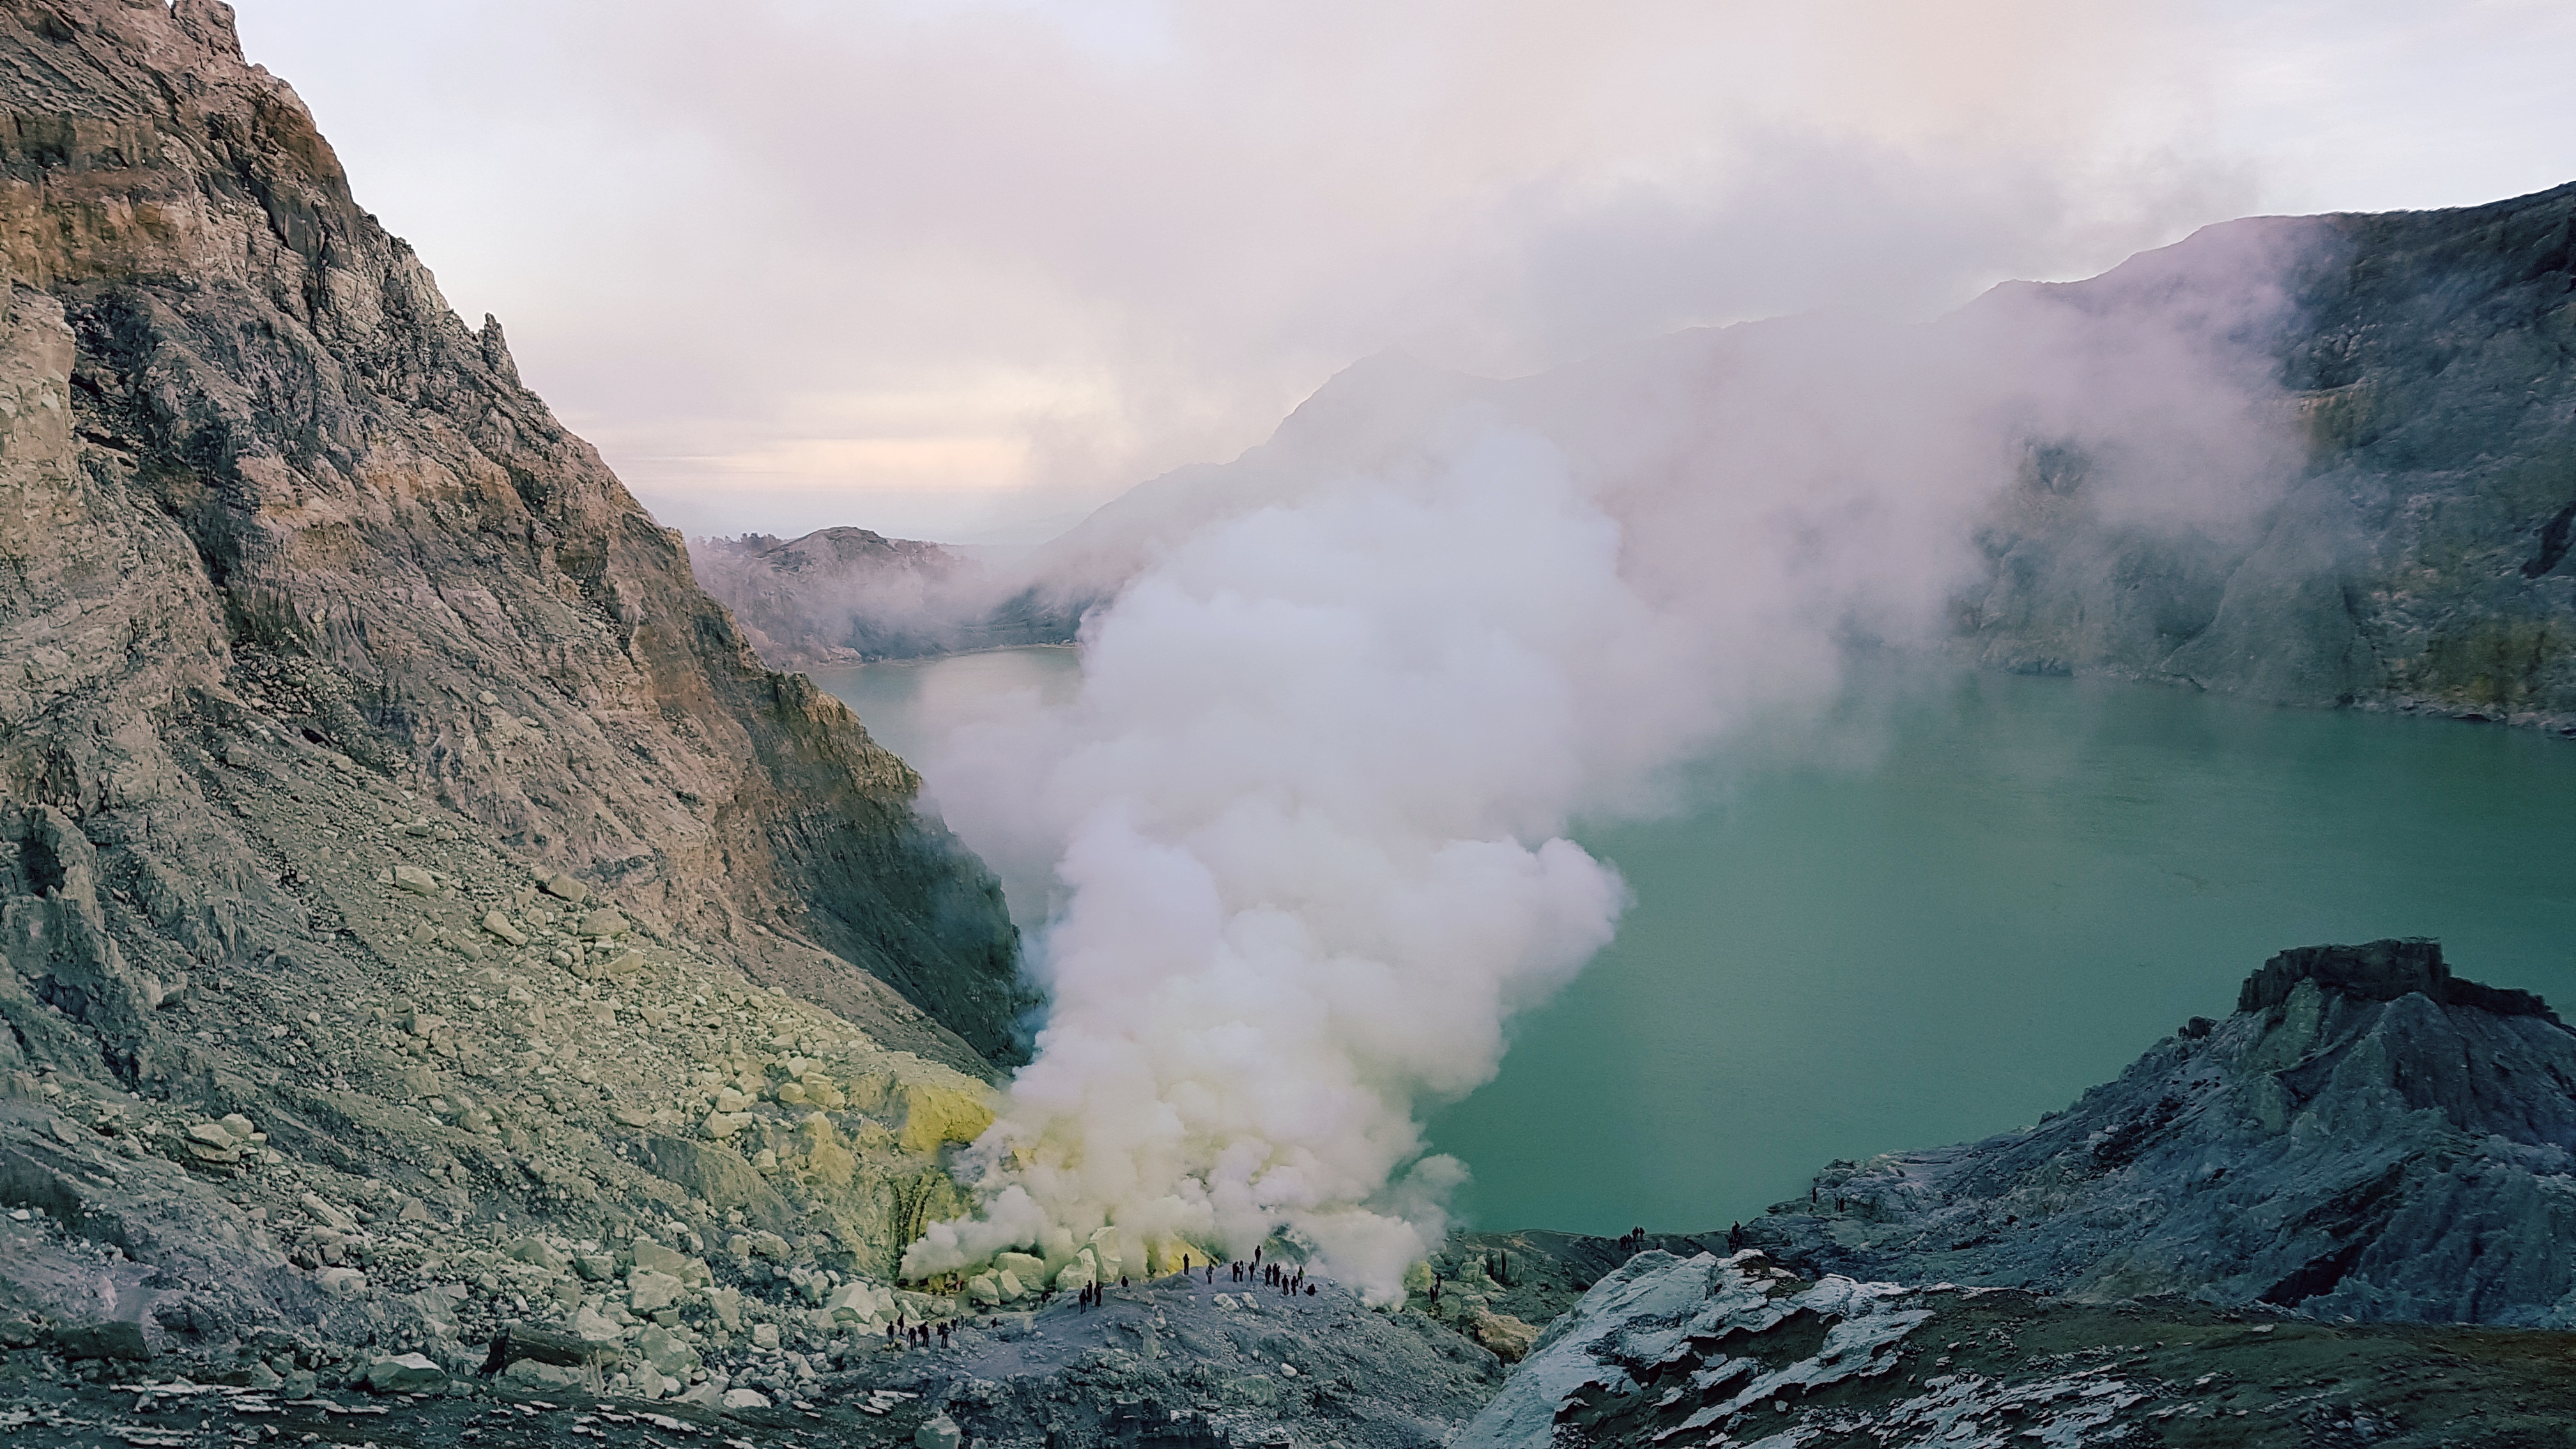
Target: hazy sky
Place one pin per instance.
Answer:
(933, 268)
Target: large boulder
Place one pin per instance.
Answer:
(117, 1338)
(406, 1373)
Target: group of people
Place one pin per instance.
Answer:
(1091, 1292)
(1632, 1242)
(916, 1335)
(1289, 1281)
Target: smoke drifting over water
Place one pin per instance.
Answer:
(1307, 811)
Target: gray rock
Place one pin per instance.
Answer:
(2417, 557)
(535, 1252)
(666, 1353)
(1702, 1322)
(2367, 1136)
(409, 1373)
(649, 1292)
(537, 1374)
(342, 1282)
(110, 1339)
(937, 1432)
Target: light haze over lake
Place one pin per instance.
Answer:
(1950, 909)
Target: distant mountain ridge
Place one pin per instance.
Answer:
(850, 595)
(2415, 556)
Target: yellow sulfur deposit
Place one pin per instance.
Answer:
(936, 1113)
(829, 1162)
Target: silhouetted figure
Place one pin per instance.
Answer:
(1310, 1290)
(1735, 1238)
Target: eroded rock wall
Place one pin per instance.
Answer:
(260, 476)
(2416, 560)
(420, 908)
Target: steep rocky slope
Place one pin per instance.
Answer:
(260, 480)
(2419, 559)
(2367, 1137)
(420, 907)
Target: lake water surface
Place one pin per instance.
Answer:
(1948, 912)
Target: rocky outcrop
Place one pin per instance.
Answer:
(847, 595)
(261, 483)
(1711, 1351)
(2417, 560)
(2367, 1137)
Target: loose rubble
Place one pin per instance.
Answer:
(1730, 1353)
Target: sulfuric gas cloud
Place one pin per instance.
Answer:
(1306, 818)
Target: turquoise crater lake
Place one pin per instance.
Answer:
(1978, 896)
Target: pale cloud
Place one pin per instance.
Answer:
(918, 265)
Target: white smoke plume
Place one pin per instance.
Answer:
(1308, 809)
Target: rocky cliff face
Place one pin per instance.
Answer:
(2366, 1137)
(421, 909)
(261, 482)
(2419, 559)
